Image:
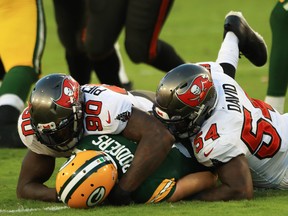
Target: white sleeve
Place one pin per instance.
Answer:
(213, 67)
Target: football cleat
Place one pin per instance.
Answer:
(86, 179)
(251, 43)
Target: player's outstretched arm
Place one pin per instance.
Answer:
(154, 143)
(35, 171)
(192, 184)
(236, 182)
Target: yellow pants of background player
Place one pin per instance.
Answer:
(22, 35)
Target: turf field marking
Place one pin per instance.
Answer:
(52, 208)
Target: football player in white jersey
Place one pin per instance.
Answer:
(244, 139)
(60, 112)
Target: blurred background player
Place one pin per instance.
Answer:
(2, 72)
(22, 43)
(143, 21)
(71, 19)
(278, 65)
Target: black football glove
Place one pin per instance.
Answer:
(119, 197)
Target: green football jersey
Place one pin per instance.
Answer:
(157, 187)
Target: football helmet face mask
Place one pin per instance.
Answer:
(86, 179)
(56, 112)
(185, 97)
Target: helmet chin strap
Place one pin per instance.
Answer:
(183, 135)
(201, 109)
(190, 133)
(77, 112)
(195, 124)
(70, 145)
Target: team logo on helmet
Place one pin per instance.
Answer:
(197, 91)
(69, 93)
(96, 196)
(86, 179)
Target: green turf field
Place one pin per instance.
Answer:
(195, 28)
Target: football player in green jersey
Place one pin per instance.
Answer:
(179, 176)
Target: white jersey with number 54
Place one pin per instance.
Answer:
(242, 125)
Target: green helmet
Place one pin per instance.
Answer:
(55, 111)
(185, 97)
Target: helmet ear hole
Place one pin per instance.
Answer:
(86, 179)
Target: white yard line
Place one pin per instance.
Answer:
(52, 208)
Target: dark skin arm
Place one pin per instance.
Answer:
(35, 171)
(236, 182)
(154, 143)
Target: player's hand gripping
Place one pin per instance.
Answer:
(118, 196)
